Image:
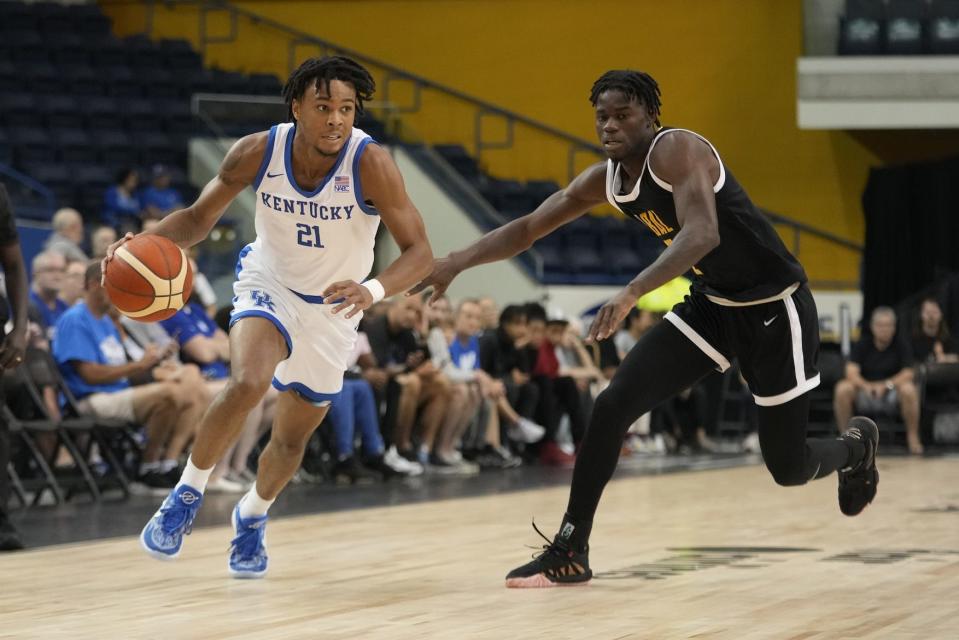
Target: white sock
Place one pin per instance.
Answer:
(253, 506)
(194, 476)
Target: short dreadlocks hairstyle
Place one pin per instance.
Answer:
(324, 70)
(635, 85)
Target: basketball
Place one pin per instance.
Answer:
(149, 278)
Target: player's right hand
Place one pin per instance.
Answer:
(440, 278)
(110, 251)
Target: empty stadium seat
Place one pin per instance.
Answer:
(860, 29)
(905, 20)
(943, 27)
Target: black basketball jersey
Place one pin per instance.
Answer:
(750, 264)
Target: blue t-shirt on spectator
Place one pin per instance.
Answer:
(81, 336)
(117, 205)
(48, 316)
(192, 321)
(165, 200)
(465, 356)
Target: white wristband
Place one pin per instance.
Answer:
(375, 288)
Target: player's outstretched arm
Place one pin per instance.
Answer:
(688, 164)
(383, 185)
(189, 226)
(587, 190)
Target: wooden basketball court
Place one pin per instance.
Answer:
(713, 554)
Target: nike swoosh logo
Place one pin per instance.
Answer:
(766, 323)
(273, 175)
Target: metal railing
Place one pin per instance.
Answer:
(392, 83)
(26, 183)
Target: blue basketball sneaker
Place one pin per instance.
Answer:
(162, 536)
(248, 551)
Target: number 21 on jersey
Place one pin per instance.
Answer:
(308, 236)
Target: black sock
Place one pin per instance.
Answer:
(575, 533)
(857, 452)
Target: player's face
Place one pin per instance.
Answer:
(624, 127)
(325, 116)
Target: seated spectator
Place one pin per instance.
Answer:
(202, 288)
(72, 288)
(489, 314)
(67, 236)
(556, 393)
(101, 238)
(931, 341)
(46, 306)
(685, 418)
(354, 407)
(159, 198)
(459, 360)
(89, 352)
(638, 322)
(504, 357)
(879, 379)
(121, 207)
(413, 383)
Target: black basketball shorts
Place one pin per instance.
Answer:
(777, 342)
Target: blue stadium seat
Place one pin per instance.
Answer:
(179, 55)
(539, 190)
(75, 146)
(6, 151)
(905, 21)
(57, 178)
(264, 84)
(32, 145)
(140, 114)
(62, 111)
(108, 51)
(115, 147)
(461, 161)
(944, 27)
(19, 109)
(861, 28)
(101, 112)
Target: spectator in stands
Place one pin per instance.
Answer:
(931, 341)
(101, 238)
(879, 379)
(504, 357)
(685, 418)
(354, 408)
(72, 288)
(159, 198)
(638, 322)
(554, 396)
(48, 269)
(67, 236)
(460, 361)
(489, 314)
(11, 349)
(121, 206)
(413, 383)
(89, 352)
(202, 288)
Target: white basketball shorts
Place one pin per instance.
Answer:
(319, 342)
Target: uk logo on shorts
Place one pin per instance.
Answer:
(262, 299)
(341, 184)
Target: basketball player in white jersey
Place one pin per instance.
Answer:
(321, 187)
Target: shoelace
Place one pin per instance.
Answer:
(175, 517)
(249, 542)
(551, 547)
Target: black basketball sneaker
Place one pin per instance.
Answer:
(557, 565)
(857, 486)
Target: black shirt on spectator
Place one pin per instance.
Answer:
(922, 347)
(499, 355)
(390, 348)
(876, 365)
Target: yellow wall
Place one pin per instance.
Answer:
(726, 69)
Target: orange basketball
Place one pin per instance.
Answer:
(149, 278)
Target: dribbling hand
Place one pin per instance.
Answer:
(440, 278)
(610, 315)
(110, 251)
(347, 293)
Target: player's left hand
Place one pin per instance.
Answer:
(348, 293)
(13, 347)
(611, 315)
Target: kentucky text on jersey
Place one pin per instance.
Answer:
(306, 208)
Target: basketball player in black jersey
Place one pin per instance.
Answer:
(749, 300)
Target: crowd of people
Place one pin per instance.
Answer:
(450, 388)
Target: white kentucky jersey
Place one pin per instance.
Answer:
(311, 239)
